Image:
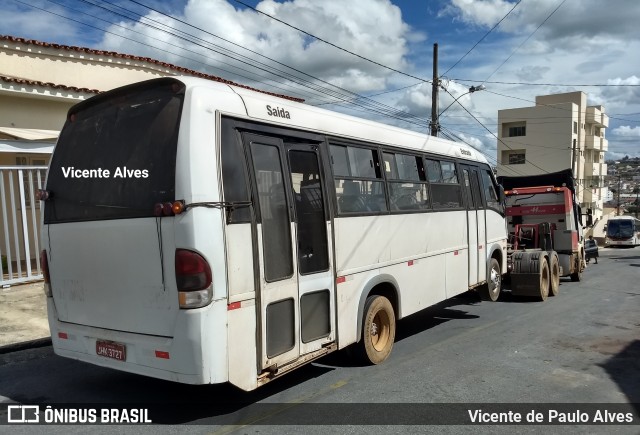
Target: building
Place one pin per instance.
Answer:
(39, 82)
(559, 132)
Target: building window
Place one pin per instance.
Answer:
(575, 126)
(514, 129)
(513, 157)
(516, 159)
(517, 131)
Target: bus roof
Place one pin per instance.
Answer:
(275, 110)
(621, 218)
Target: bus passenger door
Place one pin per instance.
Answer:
(472, 226)
(316, 287)
(277, 307)
(481, 222)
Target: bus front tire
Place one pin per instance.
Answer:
(378, 329)
(491, 290)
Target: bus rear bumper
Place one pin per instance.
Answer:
(175, 359)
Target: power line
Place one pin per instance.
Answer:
(371, 105)
(481, 39)
(332, 44)
(553, 106)
(490, 132)
(585, 85)
(392, 110)
(527, 38)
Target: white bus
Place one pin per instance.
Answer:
(205, 233)
(622, 231)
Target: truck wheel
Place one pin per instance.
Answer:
(554, 274)
(544, 279)
(378, 329)
(577, 275)
(491, 290)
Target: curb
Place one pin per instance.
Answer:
(32, 344)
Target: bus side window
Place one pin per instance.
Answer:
(406, 182)
(445, 187)
(358, 180)
(490, 195)
(233, 174)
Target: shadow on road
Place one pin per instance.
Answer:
(624, 369)
(411, 325)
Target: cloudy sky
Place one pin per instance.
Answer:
(373, 58)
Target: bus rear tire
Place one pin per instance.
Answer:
(491, 290)
(378, 329)
(554, 272)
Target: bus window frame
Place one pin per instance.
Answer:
(380, 175)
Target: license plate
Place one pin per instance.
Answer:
(110, 349)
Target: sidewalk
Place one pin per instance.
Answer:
(23, 316)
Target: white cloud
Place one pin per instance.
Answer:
(372, 28)
(478, 12)
(40, 24)
(626, 131)
(587, 19)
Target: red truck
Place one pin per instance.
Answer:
(545, 233)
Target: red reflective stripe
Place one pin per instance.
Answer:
(341, 279)
(455, 252)
(63, 335)
(479, 246)
(162, 354)
(234, 306)
(410, 263)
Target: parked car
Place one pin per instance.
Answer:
(591, 250)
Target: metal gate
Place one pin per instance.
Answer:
(21, 217)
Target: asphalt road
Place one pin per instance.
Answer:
(582, 346)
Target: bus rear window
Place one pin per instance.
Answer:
(116, 154)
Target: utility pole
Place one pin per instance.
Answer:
(435, 126)
(574, 158)
(618, 207)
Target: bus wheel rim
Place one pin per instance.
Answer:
(379, 331)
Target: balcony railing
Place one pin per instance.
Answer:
(596, 143)
(595, 116)
(596, 182)
(592, 142)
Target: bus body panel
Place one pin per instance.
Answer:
(418, 256)
(109, 274)
(243, 366)
(193, 355)
(320, 120)
(365, 242)
(240, 268)
(109, 283)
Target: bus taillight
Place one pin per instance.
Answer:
(193, 279)
(44, 265)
